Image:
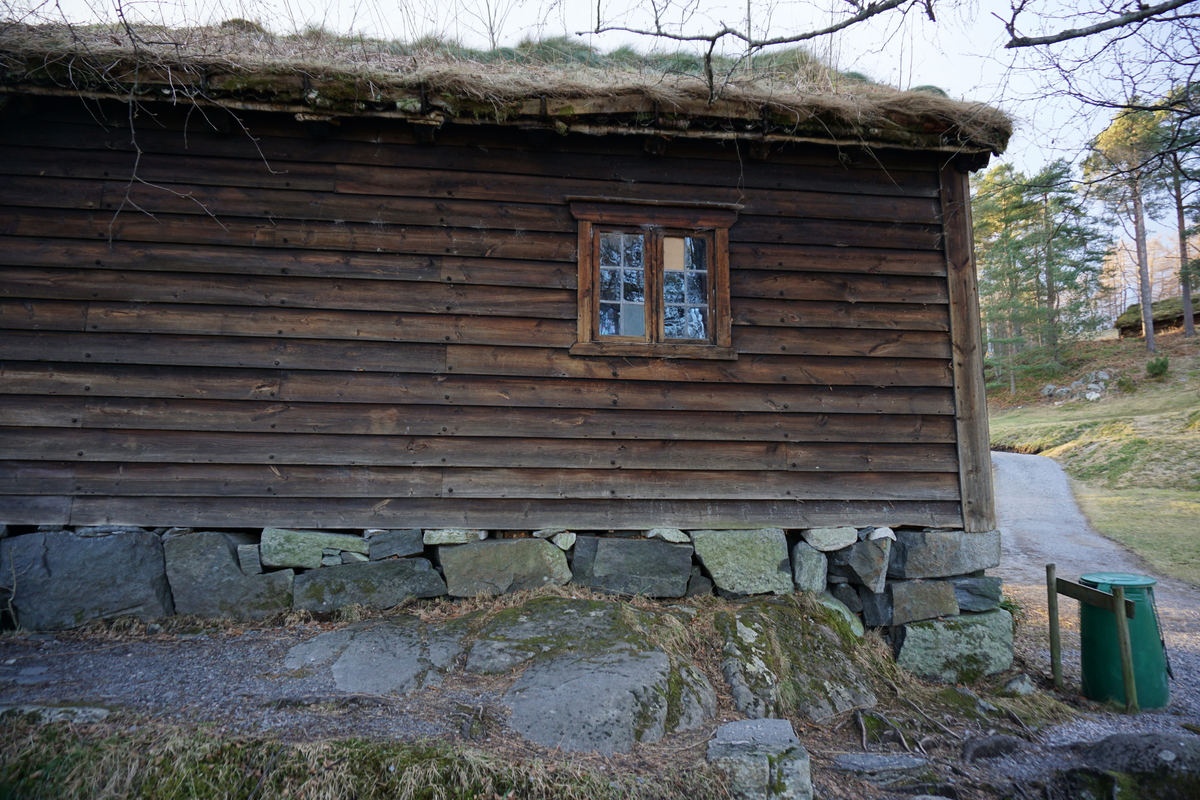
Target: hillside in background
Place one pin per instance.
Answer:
(1133, 454)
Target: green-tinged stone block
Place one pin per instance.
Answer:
(283, 547)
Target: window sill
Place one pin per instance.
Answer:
(640, 350)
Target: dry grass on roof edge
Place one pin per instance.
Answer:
(811, 93)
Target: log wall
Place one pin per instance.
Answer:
(344, 328)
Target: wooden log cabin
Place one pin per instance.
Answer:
(313, 302)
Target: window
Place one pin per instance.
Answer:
(653, 280)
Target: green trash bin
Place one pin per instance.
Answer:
(1101, 654)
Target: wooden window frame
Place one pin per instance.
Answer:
(712, 221)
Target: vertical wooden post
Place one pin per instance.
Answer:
(1131, 701)
(1055, 635)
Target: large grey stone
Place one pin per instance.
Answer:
(828, 539)
(848, 595)
(647, 567)
(607, 701)
(399, 655)
(780, 659)
(942, 554)
(956, 649)
(908, 601)
(746, 561)
(284, 547)
(59, 580)
(763, 758)
(809, 568)
(208, 581)
(500, 566)
(374, 584)
(848, 615)
(880, 769)
(977, 594)
(864, 562)
(388, 543)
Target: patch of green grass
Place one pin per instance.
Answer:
(144, 760)
(1160, 525)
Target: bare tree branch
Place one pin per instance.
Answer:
(1143, 13)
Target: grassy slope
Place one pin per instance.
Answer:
(1134, 456)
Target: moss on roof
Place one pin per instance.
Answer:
(560, 84)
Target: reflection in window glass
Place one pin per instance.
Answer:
(685, 287)
(622, 284)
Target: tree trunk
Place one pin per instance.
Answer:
(1139, 229)
(1185, 277)
(1052, 338)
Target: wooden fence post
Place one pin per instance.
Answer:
(1055, 636)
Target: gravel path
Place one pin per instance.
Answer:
(1040, 523)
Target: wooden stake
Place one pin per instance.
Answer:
(1131, 701)
(1055, 635)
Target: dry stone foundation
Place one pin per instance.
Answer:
(926, 589)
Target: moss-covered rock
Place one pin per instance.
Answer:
(781, 658)
(959, 649)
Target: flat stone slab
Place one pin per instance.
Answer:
(942, 553)
(396, 656)
(977, 594)
(500, 566)
(763, 758)
(647, 567)
(207, 579)
(285, 547)
(881, 769)
(389, 543)
(828, 539)
(959, 649)
(60, 580)
(374, 584)
(438, 536)
(746, 561)
(909, 601)
(607, 701)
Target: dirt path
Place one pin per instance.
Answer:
(1040, 523)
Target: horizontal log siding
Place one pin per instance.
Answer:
(372, 332)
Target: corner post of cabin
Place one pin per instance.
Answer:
(970, 399)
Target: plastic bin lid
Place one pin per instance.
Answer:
(1123, 579)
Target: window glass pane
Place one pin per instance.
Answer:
(610, 319)
(610, 249)
(697, 288)
(610, 284)
(673, 287)
(634, 256)
(674, 323)
(633, 320)
(697, 323)
(635, 286)
(697, 258)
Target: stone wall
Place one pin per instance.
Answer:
(926, 588)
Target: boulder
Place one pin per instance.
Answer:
(248, 559)
(284, 547)
(500, 566)
(809, 568)
(827, 539)
(977, 594)
(59, 580)
(207, 579)
(396, 656)
(763, 758)
(865, 562)
(746, 561)
(781, 658)
(956, 649)
(673, 535)
(942, 553)
(374, 584)
(438, 536)
(649, 567)
(847, 594)
(908, 601)
(389, 543)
